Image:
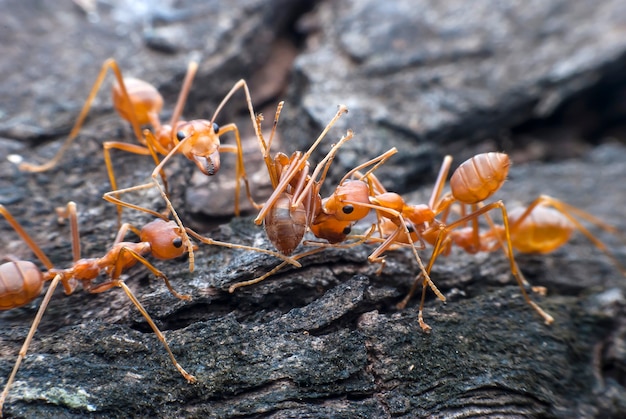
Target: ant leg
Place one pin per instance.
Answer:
(420, 313)
(121, 233)
(192, 69)
(360, 239)
(158, 169)
(296, 166)
(402, 304)
(185, 231)
(108, 64)
(206, 240)
(323, 166)
(69, 285)
(111, 197)
(444, 245)
(119, 283)
(240, 169)
(26, 237)
(241, 84)
(70, 212)
(376, 162)
(445, 230)
(424, 272)
(342, 109)
(119, 266)
(548, 319)
(299, 163)
(391, 213)
(440, 182)
(29, 338)
(265, 146)
(299, 166)
(233, 287)
(130, 148)
(256, 124)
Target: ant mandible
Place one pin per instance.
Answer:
(139, 103)
(22, 281)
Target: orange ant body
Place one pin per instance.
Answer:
(296, 205)
(21, 281)
(295, 202)
(140, 103)
(474, 181)
(545, 225)
(548, 223)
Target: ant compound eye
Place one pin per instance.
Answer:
(180, 135)
(177, 242)
(347, 209)
(410, 227)
(347, 230)
(216, 127)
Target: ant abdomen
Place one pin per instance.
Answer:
(479, 177)
(20, 283)
(542, 231)
(285, 227)
(146, 101)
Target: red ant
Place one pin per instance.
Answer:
(543, 226)
(22, 281)
(139, 103)
(403, 224)
(547, 224)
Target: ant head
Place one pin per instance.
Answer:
(143, 100)
(331, 229)
(165, 239)
(201, 144)
(344, 202)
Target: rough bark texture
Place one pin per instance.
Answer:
(324, 340)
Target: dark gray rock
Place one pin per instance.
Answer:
(437, 78)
